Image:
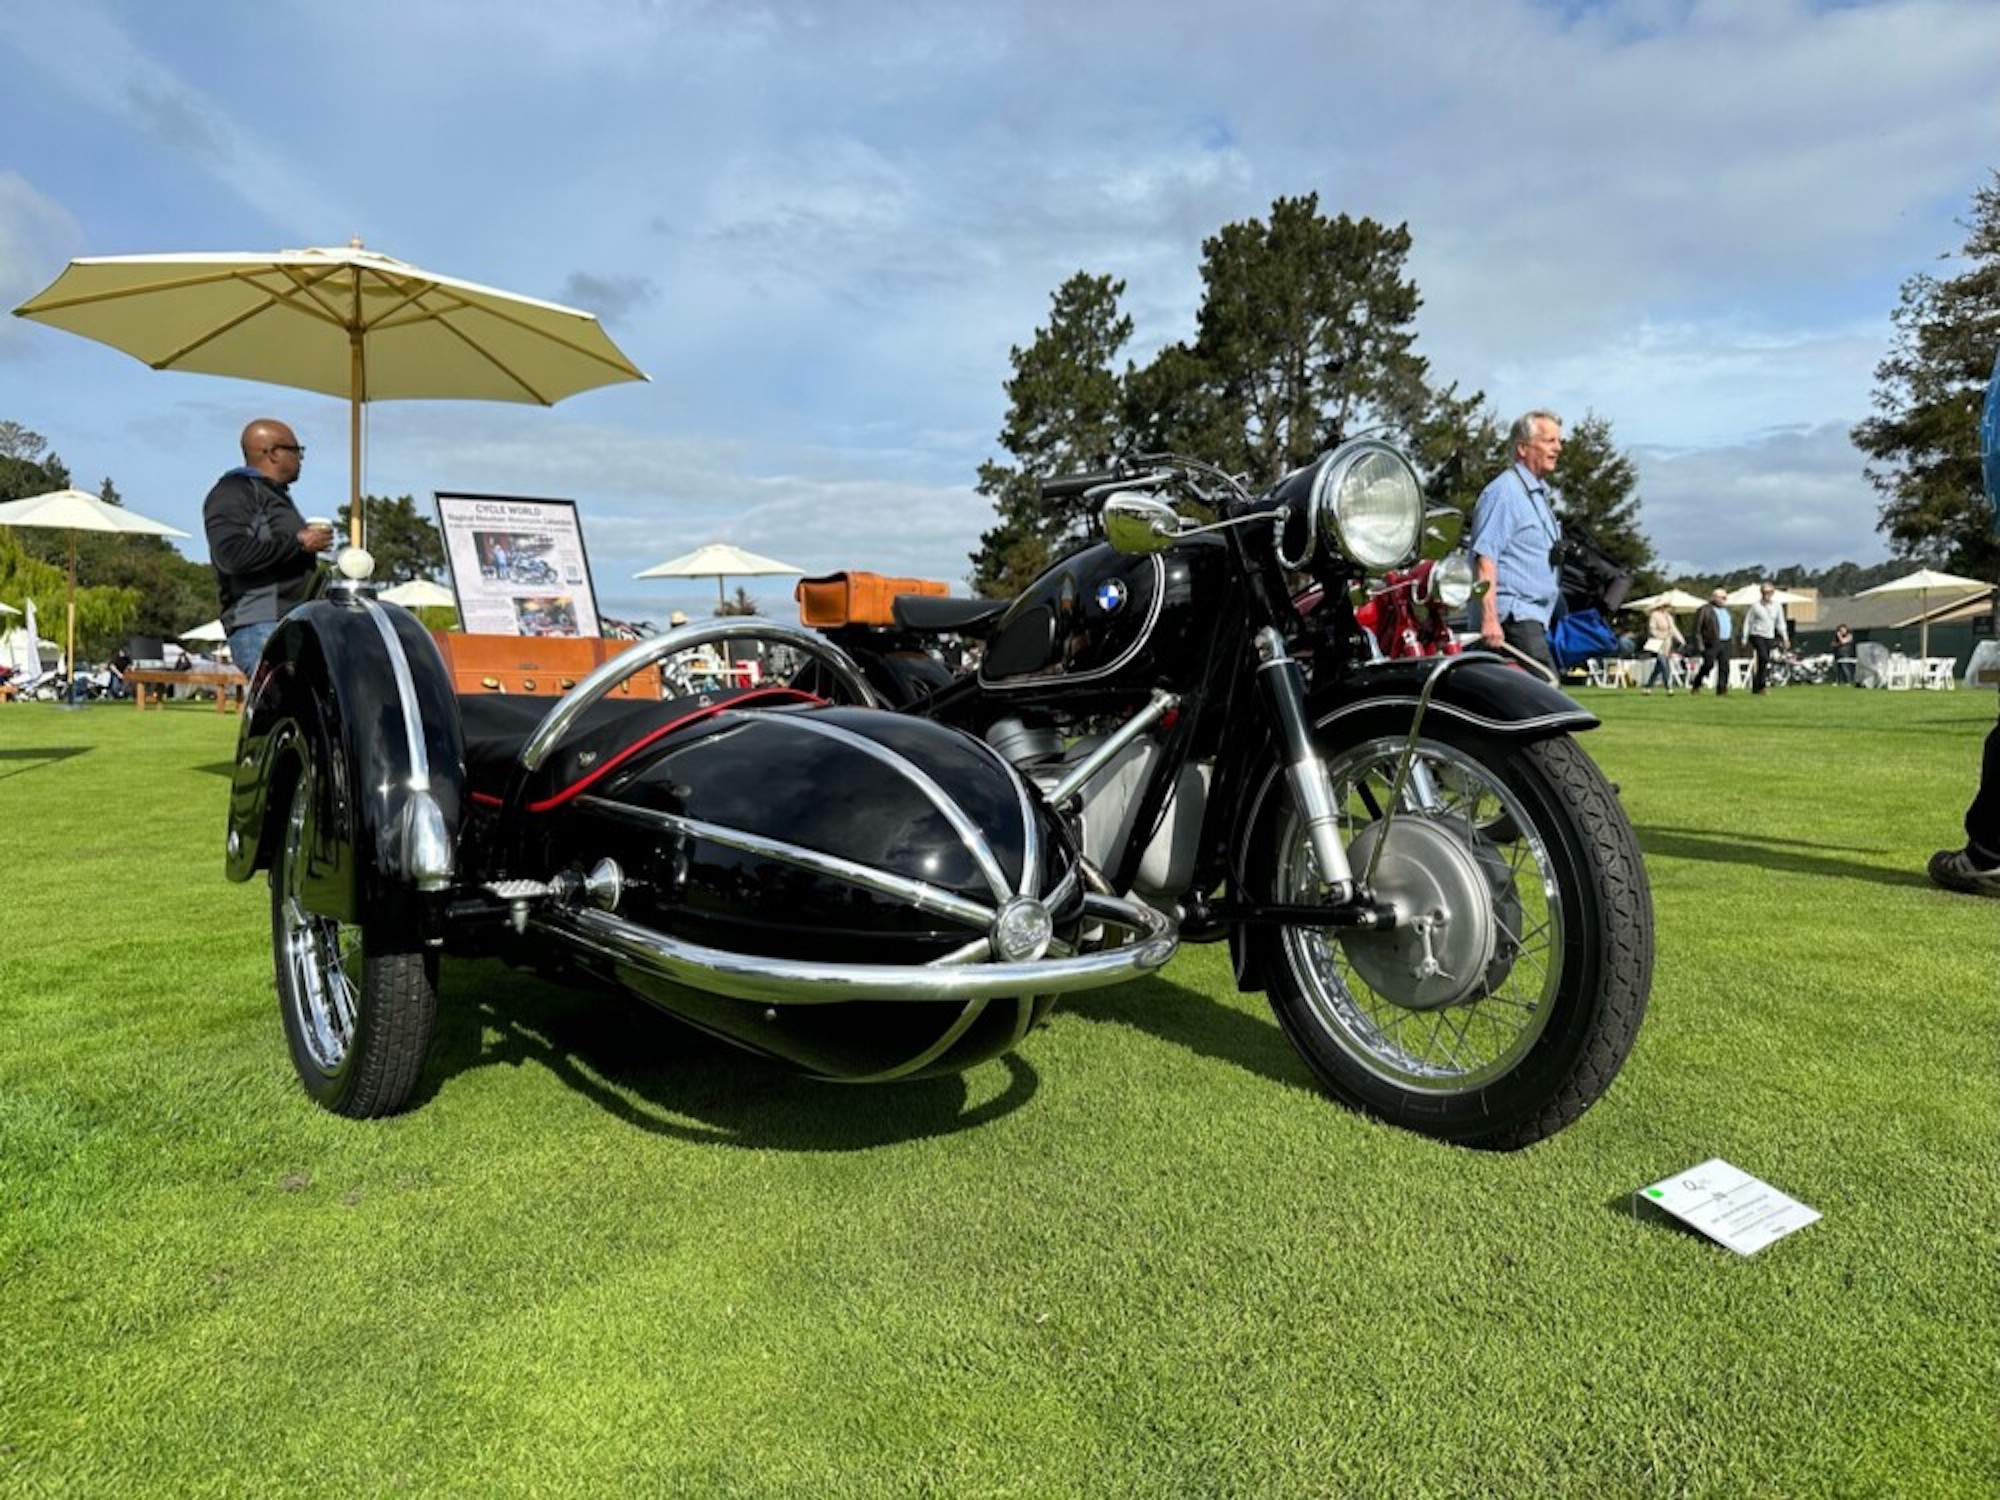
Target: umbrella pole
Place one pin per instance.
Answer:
(719, 599)
(356, 380)
(70, 658)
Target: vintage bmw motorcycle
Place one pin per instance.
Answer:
(883, 871)
(1401, 843)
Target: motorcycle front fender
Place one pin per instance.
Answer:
(1474, 688)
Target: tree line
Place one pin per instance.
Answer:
(131, 585)
(1306, 334)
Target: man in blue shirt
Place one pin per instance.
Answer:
(1712, 630)
(1514, 540)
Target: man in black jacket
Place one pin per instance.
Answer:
(1712, 630)
(262, 549)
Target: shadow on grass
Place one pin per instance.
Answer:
(1187, 1018)
(223, 768)
(1789, 856)
(37, 758)
(665, 1077)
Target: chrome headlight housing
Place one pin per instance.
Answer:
(1365, 503)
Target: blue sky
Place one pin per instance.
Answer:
(820, 227)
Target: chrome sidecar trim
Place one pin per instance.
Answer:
(746, 976)
(406, 695)
(916, 893)
(970, 834)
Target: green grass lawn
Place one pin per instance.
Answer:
(1143, 1256)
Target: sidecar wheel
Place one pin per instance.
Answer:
(1505, 1021)
(357, 1021)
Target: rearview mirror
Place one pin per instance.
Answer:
(1443, 526)
(1139, 525)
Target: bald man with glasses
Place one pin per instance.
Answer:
(263, 551)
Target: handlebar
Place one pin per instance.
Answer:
(1062, 486)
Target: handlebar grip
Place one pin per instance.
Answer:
(1062, 485)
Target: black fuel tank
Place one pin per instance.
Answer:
(1099, 613)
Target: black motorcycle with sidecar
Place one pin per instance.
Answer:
(880, 869)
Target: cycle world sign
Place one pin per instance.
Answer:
(518, 565)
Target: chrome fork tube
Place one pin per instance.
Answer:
(1283, 686)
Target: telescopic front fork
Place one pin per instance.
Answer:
(1284, 688)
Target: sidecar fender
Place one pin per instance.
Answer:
(355, 692)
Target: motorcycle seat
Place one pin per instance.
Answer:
(609, 733)
(948, 614)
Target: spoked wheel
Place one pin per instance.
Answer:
(358, 1021)
(1505, 1002)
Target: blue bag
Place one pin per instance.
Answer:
(1580, 635)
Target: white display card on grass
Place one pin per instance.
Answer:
(1728, 1205)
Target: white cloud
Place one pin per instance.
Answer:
(820, 228)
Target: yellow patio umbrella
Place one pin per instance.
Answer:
(350, 322)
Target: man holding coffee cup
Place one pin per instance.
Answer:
(263, 549)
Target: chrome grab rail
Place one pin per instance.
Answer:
(571, 706)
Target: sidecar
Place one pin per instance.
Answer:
(861, 894)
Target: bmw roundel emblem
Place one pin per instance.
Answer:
(1111, 595)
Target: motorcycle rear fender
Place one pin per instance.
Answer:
(1486, 693)
(358, 691)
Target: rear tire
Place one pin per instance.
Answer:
(357, 1021)
(1545, 964)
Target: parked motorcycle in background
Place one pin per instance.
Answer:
(1400, 842)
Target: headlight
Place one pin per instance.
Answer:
(1451, 581)
(1366, 501)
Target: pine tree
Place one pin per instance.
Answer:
(1928, 390)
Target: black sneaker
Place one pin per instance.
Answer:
(1954, 870)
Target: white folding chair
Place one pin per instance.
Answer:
(1938, 673)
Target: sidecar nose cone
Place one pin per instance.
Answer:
(1022, 930)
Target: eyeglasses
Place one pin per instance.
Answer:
(286, 448)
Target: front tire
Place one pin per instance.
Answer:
(357, 1018)
(1506, 1012)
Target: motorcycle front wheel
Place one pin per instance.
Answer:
(357, 1020)
(1506, 1002)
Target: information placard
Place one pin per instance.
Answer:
(1728, 1205)
(518, 565)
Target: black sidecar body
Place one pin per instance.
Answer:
(865, 895)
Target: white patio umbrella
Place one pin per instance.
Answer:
(211, 633)
(352, 323)
(421, 593)
(718, 560)
(8, 609)
(1680, 601)
(72, 511)
(1922, 584)
(1750, 593)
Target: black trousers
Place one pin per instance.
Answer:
(1982, 819)
(1530, 638)
(1714, 659)
(1763, 645)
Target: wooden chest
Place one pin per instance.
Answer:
(541, 666)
